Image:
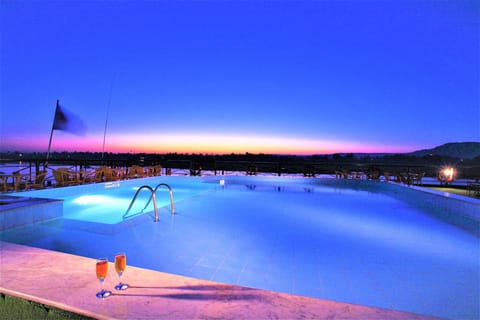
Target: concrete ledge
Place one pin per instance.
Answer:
(20, 211)
(68, 282)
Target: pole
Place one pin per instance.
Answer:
(51, 136)
(106, 118)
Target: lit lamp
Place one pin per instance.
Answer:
(447, 175)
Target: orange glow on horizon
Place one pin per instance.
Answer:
(209, 144)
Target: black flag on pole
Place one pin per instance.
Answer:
(67, 121)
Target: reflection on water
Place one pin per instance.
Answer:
(345, 244)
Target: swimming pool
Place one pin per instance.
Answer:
(369, 243)
(107, 203)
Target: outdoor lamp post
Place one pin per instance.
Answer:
(447, 175)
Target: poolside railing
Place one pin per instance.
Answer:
(153, 196)
(80, 170)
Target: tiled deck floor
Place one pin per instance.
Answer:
(68, 282)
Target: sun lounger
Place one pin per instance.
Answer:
(417, 179)
(136, 172)
(341, 174)
(39, 182)
(20, 182)
(157, 170)
(110, 174)
(3, 182)
(120, 173)
(93, 175)
(64, 177)
(387, 176)
(149, 171)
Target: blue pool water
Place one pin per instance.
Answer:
(361, 242)
(107, 203)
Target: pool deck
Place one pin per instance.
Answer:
(68, 282)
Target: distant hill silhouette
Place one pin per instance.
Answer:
(463, 150)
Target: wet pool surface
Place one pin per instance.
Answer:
(345, 244)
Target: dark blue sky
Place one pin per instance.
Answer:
(241, 76)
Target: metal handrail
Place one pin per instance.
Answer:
(171, 196)
(152, 196)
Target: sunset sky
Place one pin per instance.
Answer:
(285, 77)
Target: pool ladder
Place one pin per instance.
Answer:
(154, 197)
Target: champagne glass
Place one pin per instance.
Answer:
(101, 270)
(120, 265)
